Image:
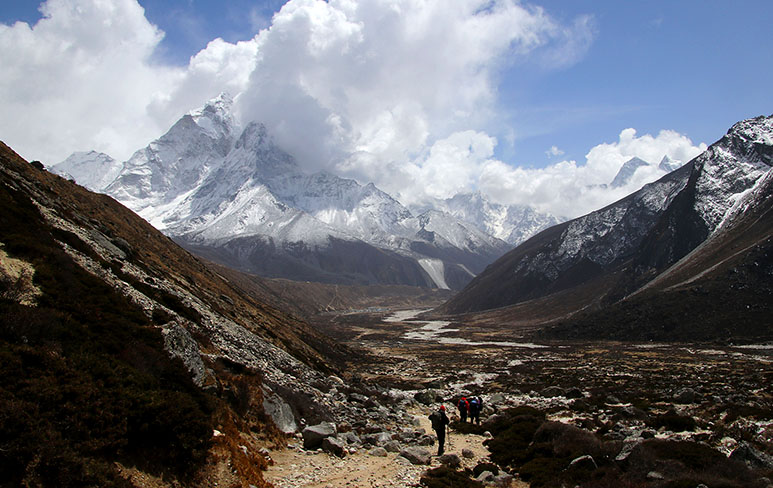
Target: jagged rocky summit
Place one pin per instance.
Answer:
(232, 195)
(607, 255)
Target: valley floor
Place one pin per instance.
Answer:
(715, 395)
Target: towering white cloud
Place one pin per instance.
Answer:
(81, 78)
(384, 80)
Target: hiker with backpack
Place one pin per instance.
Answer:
(464, 408)
(476, 405)
(439, 421)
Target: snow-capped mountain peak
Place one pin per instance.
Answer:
(92, 169)
(730, 168)
(232, 193)
(627, 171)
(610, 253)
(668, 164)
(216, 117)
(510, 223)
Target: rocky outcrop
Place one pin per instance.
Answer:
(416, 455)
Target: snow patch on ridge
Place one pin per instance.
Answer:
(436, 270)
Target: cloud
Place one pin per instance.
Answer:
(85, 77)
(554, 151)
(401, 93)
(569, 190)
(383, 80)
(80, 79)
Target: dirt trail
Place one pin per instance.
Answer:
(298, 468)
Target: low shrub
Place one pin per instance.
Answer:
(84, 378)
(481, 467)
(685, 463)
(673, 421)
(512, 434)
(445, 477)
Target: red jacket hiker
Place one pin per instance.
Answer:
(464, 408)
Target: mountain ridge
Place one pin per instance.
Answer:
(233, 194)
(633, 240)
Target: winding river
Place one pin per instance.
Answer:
(434, 330)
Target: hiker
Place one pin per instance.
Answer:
(439, 421)
(476, 404)
(464, 408)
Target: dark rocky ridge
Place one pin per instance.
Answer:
(721, 291)
(341, 262)
(600, 259)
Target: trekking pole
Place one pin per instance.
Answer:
(448, 436)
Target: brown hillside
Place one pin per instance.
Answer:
(121, 353)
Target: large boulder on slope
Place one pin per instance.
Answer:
(313, 435)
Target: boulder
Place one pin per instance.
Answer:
(630, 412)
(468, 454)
(503, 480)
(372, 404)
(753, 457)
(584, 462)
(580, 405)
(378, 452)
(685, 396)
(314, 434)
(574, 393)
(392, 446)
(655, 476)
(351, 438)
(426, 397)
(496, 399)
(552, 391)
(626, 450)
(280, 412)
(453, 461)
(358, 398)
(648, 434)
(481, 467)
(426, 440)
(485, 477)
(378, 438)
(333, 446)
(416, 455)
(407, 435)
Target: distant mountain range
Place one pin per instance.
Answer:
(636, 246)
(232, 195)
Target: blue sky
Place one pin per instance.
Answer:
(689, 67)
(695, 67)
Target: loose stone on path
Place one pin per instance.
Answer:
(371, 467)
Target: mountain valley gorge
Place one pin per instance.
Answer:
(210, 315)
